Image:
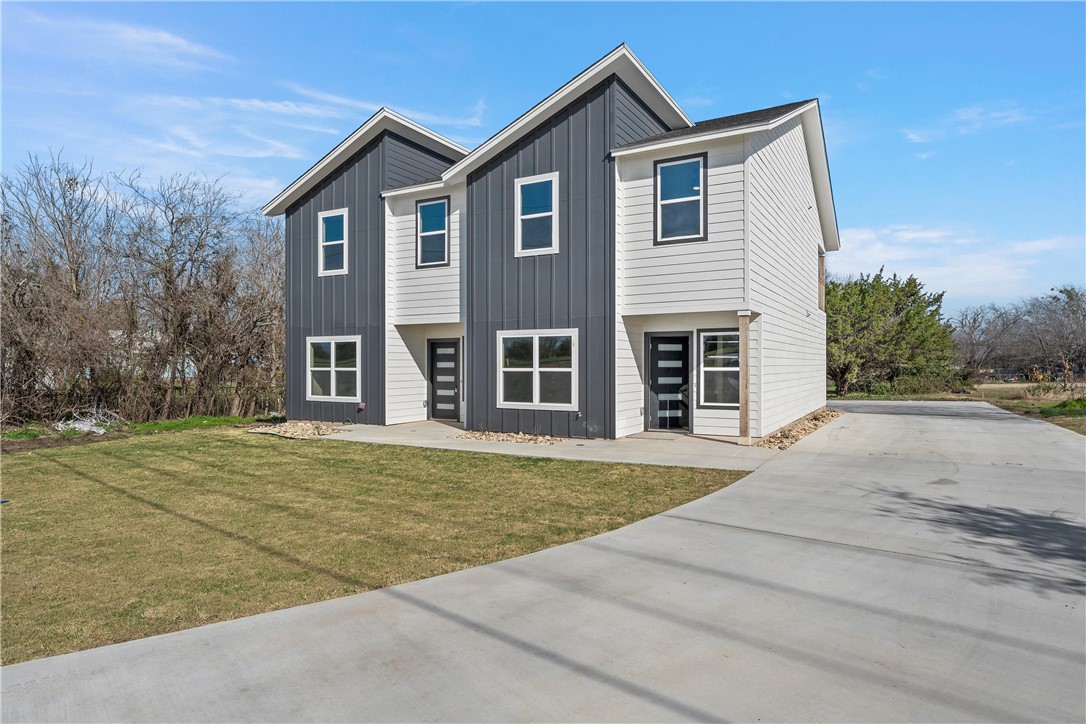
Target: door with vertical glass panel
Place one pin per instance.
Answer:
(444, 357)
(669, 383)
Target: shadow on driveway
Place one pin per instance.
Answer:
(1056, 544)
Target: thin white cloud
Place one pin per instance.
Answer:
(132, 46)
(697, 102)
(188, 142)
(249, 105)
(968, 120)
(474, 119)
(946, 259)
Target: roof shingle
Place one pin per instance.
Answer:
(751, 118)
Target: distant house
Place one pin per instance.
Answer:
(601, 266)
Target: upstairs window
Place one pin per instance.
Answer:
(332, 242)
(719, 368)
(537, 369)
(680, 199)
(432, 238)
(536, 215)
(333, 369)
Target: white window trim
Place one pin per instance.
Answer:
(309, 396)
(700, 197)
(321, 243)
(419, 234)
(702, 334)
(535, 369)
(553, 249)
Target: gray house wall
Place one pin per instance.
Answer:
(352, 303)
(571, 289)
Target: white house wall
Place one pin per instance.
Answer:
(630, 371)
(432, 294)
(685, 277)
(785, 236)
(407, 388)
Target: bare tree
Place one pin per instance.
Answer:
(154, 300)
(982, 336)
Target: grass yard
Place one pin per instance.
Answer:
(129, 538)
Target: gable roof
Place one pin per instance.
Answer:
(738, 120)
(764, 120)
(621, 62)
(383, 120)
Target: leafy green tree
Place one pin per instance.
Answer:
(886, 334)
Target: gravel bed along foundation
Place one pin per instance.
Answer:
(509, 437)
(789, 436)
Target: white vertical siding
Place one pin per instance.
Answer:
(684, 277)
(785, 236)
(429, 295)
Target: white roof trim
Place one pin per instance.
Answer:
(621, 61)
(415, 189)
(820, 176)
(383, 119)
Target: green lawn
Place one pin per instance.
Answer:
(128, 538)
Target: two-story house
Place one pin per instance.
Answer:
(601, 266)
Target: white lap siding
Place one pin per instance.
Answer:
(785, 236)
(684, 277)
(407, 369)
(431, 294)
(631, 372)
(421, 304)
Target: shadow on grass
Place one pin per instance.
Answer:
(549, 655)
(1055, 544)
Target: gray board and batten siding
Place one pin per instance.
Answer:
(351, 303)
(574, 288)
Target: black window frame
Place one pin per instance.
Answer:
(448, 233)
(656, 220)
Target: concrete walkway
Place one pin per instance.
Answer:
(908, 562)
(649, 448)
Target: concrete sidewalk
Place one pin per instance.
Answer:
(644, 448)
(908, 562)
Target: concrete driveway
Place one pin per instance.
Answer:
(909, 562)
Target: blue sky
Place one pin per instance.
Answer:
(956, 132)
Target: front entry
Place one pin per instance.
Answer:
(668, 394)
(444, 356)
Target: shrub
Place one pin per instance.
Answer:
(1075, 407)
(1042, 389)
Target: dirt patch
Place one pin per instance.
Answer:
(509, 437)
(40, 443)
(787, 437)
(299, 429)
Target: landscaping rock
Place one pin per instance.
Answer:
(509, 437)
(299, 429)
(789, 436)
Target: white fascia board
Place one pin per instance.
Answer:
(384, 119)
(417, 188)
(620, 61)
(710, 135)
(815, 137)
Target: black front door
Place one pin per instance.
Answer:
(669, 383)
(444, 355)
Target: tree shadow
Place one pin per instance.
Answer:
(549, 655)
(1033, 539)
